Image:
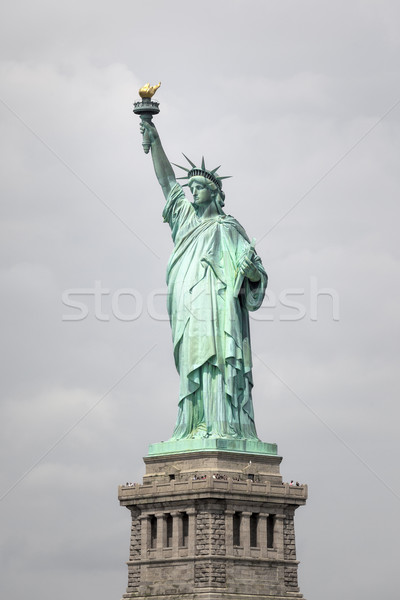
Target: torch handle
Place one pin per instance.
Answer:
(146, 138)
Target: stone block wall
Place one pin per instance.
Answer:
(135, 547)
(290, 578)
(210, 530)
(218, 534)
(290, 571)
(203, 526)
(289, 544)
(209, 573)
(191, 553)
(133, 578)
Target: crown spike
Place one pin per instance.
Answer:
(203, 164)
(226, 177)
(179, 166)
(189, 161)
(215, 170)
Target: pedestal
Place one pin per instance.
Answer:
(212, 525)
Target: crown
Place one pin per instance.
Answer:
(202, 172)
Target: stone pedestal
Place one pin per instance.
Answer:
(212, 525)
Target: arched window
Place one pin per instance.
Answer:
(153, 532)
(253, 530)
(185, 529)
(169, 531)
(270, 530)
(237, 517)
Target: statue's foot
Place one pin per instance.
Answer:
(199, 433)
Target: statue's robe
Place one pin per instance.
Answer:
(210, 327)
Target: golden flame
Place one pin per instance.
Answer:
(147, 91)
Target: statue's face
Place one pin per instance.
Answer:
(201, 193)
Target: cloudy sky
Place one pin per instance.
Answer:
(300, 102)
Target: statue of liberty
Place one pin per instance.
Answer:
(214, 279)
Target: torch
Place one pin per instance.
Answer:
(146, 108)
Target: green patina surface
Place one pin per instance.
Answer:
(215, 277)
(197, 445)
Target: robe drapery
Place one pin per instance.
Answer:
(210, 327)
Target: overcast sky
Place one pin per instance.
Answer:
(300, 102)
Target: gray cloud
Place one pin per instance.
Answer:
(277, 93)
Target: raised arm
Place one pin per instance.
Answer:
(162, 166)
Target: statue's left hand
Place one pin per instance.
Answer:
(249, 270)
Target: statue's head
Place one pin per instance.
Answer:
(206, 191)
(210, 180)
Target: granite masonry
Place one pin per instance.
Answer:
(212, 525)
